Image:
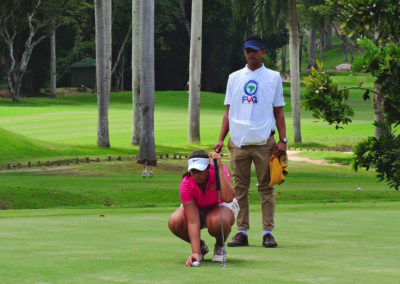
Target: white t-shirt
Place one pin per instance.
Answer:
(252, 95)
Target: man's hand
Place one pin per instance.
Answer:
(218, 146)
(280, 149)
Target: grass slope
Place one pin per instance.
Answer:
(16, 147)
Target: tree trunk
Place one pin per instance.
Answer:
(15, 82)
(185, 17)
(103, 91)
(147, 151)
(351, 55)
(283, 59)
(377, 104)
(108, 28)
(321, 45)
(312, 47)
(345, 48)
(120, 53)
(136, 69)
(328, 36)
(122, 77)
(195, 72)
(294, 70)
(300, 51)
(53, 72)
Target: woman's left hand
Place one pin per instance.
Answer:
(214, 155)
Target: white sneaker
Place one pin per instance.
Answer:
(218, 254)
(203, 250)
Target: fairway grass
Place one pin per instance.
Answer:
(331, 243)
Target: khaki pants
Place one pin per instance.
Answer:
(241, 159)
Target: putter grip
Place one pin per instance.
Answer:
(216, 169)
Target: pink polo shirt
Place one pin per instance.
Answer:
(189, 190)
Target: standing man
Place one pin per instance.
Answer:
(254, 110)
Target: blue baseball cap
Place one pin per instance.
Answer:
(253, 44)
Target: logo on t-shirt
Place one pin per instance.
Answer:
(250, 90)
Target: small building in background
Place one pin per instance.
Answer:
(83, 73)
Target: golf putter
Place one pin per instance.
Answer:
(217, 181)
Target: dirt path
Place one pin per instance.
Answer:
(44, 169)
(292, 157)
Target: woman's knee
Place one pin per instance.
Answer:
(175, 223)
(172, 223)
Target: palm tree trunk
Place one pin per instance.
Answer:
(147, 151)
(103, 92)
(195, 72)
(294, 70)
(136, 68)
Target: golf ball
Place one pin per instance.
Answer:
(196, 264)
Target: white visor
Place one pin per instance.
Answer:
(198, 163)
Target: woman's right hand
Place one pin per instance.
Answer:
(192, 258)
(214, 155)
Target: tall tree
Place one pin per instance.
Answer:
(14, 18)
(103, 69)
(195, 71)
(294, 70)
(136, 68)
(23, 25)
(147, 151)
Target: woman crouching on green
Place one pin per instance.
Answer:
(200, 209)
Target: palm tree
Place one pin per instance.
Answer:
(294, 69)
(147, 151)
(102, 68)
(136, 68)
(195, 71)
